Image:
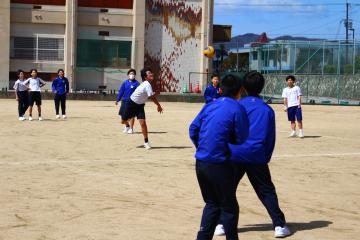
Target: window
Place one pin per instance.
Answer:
(103, 53)
(254, 56)
(38, 48)
(41, 2)
(126, 4)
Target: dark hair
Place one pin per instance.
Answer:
(33, 69)
(131, 70)
(215, 75)
(230, 85)
(60, 70)
(143, 72)
(20, 71)
(253, 83)
(291, 77)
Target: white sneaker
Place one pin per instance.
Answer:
(147, 146)
(126, 129)
(64, 116)
(57, 116)
(301, 134)
(292, 134)
(130, 131)
(40, 118)
(30, 118)
(219, 230)
(21, 118)
(281, 232)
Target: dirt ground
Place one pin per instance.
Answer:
(82, 178)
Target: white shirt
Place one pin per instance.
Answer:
(20, 86)
(34, 84)
(142, 93)
(292, 96)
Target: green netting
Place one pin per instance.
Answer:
(99, 54)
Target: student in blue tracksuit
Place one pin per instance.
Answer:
(213, 91)
(219, 123)
(60, 87)
(253, 155)
(126, 89)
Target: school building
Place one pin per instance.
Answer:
(96, 42)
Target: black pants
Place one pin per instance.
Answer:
(260, 178)
(23, 102)
(60, 99)
(218, 190)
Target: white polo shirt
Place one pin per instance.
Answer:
(142, 93)
(292, 94)
(34, 84)
(19, 86)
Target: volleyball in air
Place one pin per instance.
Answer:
(209, 52)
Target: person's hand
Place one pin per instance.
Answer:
(285, 108)
(17, 99)
(116, 103)
(159, 109)
(299, 106)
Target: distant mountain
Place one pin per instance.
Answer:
(247, 38)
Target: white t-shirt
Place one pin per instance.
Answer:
(34, 84)
(142, 93)
(19, 86)
(292, 96)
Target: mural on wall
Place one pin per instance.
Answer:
(173, 41)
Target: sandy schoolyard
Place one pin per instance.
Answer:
(83, 179)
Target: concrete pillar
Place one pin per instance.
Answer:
(207, 38)
(71, 41)
(5, 43)
(138, 41)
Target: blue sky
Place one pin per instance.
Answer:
(319, 19)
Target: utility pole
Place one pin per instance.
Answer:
(347, 32)
(347, 22)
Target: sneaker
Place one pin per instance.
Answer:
(30, 118)
(64, 116)
(281, 232)
(21, 118)
(126, 129)
(57, 116)
(147, 145)
(301, 134)
(219, 230)
(40, 118)
(292, 134)
(130, 131)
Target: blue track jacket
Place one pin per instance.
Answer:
(211, 93)
(126, 89)
(60, 85)
(220, 122)
(260, 144)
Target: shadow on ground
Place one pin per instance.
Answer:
(169, 147)
(294, 226)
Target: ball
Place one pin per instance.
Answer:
(209, 52)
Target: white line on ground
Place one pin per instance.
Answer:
(141, 161)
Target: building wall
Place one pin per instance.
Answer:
(5, 42)
(167, 35)
(174, 39)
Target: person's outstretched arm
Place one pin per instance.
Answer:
(154, 99)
